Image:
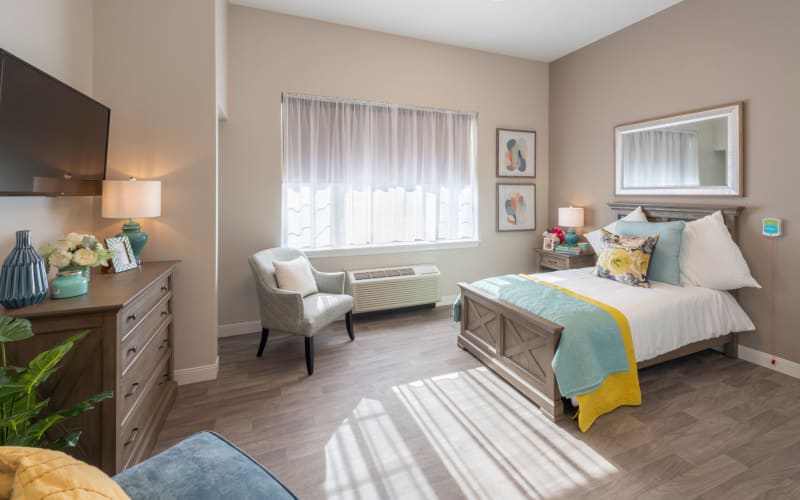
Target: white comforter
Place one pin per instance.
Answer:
(663, 317)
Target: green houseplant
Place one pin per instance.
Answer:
(20, 404)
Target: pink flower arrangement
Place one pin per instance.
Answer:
(556, 234)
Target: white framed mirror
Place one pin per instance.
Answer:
(697, 153)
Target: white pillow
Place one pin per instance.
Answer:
(595, 238)
(710, 258)
(295, 275)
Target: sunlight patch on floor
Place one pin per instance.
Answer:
(366, 446)
(494, 442)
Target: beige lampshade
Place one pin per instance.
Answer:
(570, 217)
(131, 199)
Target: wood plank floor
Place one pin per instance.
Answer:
(403, 413)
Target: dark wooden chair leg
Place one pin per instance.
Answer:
(348, 320)
(264, 335)
(310, 355)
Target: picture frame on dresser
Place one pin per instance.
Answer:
(122, 256)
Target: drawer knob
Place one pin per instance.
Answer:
(164, 288)
(130, 318)
(164, 314)
(133, 350)
(164, 343)
(132, 438)
(134, 390)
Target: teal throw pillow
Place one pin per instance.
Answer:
(664, 265)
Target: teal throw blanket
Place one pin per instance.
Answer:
(591, 346)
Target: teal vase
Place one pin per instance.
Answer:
(23, 279)
(69, 283)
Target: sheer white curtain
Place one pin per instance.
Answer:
(660, 158)
(360, 173)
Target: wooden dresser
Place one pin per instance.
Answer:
(128, 351)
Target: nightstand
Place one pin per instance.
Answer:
(552, 261)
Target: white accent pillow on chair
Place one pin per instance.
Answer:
(295, 276)
(595, 238)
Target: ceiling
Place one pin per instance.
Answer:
(542, 30)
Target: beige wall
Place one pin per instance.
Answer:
(154, 66)
(55, 36)
(696, 54)
(271, 53)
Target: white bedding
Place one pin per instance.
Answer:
(663, 317)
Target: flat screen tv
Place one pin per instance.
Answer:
(53, 139)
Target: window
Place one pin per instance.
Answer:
(365, 174)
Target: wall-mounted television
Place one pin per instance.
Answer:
(53, 138)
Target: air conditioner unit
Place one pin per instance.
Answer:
(394, 287)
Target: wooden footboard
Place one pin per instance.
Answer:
(516, 344)
(519, 346)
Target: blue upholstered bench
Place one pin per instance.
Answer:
(203, 466)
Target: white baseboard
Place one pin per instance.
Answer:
(238, 329)
(764, 359)
(447, 300)
(197, 374)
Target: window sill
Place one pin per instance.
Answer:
(322, 253)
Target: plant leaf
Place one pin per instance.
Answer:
(21, 440)
(40, 427)
(14, 329)
(46, 363)
(68, 440)
(19, 417)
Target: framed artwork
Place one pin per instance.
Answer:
(516, 207)
(516, 153)
(548, 244)
(122, 258)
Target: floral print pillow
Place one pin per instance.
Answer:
(626, 258)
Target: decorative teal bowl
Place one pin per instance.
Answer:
(68, 284)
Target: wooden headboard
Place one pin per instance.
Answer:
(657, 212)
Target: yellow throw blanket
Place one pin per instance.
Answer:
(618, 389)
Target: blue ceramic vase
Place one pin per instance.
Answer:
(23, 280)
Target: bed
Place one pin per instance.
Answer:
(666, 321)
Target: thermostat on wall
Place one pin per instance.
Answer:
(771, 227)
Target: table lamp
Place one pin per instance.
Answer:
(571, 218)
(129, 200)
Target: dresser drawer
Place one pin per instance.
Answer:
(132, 346)
(133, 429)
(553, 261)
(132, 382)
(134, 313)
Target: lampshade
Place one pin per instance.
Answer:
(131, 199)
(570, 217)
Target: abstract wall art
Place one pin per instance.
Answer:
(516, 153)
(516, 207)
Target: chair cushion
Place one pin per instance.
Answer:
(295, 275)
(203, 466)
(322, 309)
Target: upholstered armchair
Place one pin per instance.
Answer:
(289, 311)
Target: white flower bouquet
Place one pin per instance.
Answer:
(73, 251)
